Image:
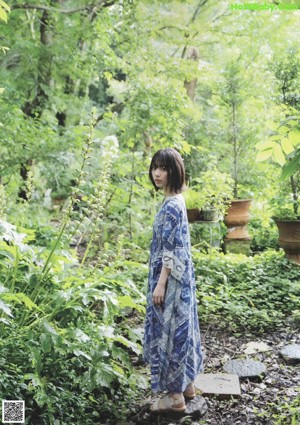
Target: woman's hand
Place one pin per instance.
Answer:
(159, 293)
(160, 290)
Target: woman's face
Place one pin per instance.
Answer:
(160, 177)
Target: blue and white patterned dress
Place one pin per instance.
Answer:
(172, 343)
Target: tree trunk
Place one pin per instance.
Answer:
(35, 107)
(192, 84)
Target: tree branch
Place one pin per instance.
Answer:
(89, 7)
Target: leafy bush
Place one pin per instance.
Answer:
(264, 234)
(65, 348)
(247, 292)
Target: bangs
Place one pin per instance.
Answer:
(160, 159)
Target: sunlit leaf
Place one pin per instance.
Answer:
(272, 125)
(294, 137)
(127, 301)
(278, 155)
(287, 146)
(5, 308)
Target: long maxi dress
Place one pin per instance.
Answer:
(172, 344)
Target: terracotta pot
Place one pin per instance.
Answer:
(237, 218)
(289, 238)
(193, 214)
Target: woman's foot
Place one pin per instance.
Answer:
(173, 402)
(190, 391)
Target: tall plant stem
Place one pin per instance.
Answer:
(131, 193)
(67, 216)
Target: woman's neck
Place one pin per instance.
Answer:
(169, 193)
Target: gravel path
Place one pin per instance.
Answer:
(262, 399)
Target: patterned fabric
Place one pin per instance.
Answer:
(172, 344)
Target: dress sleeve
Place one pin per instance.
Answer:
(171, 241)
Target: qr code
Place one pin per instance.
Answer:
(13, 411)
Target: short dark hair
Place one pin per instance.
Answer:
(172, 161)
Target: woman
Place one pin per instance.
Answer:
(172, 344)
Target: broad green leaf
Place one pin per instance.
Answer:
(283, 129)
(27, 301)
(4, 5)
(272, 125)
(104, 375)
(81, 336)
(81, 353)
(121, 339)
(21, 298)
(294, 137)
(278, 155)
(117, 369)
(287, 146)
(274, 137)
(106, 331)
(4, 307)
(3, 15)
(127, 301)
(50, 328)
(265, 145)
(291, 167)
(7, 251)
(263, 155)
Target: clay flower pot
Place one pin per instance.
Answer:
(237, 218)
(289, 238)
(193, 214)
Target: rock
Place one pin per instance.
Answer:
(254, 347)
(245, 368)
(221, 384)
(291, 353)
(196, 408)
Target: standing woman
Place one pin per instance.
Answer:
(172, 343)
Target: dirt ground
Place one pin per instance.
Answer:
(262, 399)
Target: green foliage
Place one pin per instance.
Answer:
(192, 198)
(4, 8)
(264, 234)
(68, 355)
(283, 411)
(246, 293)
(216, 190)
(68, 317)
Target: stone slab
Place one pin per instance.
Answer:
(222, 384)
(254, 347)
(245, 368)
(291, 353)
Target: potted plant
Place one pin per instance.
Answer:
(282, 147)
(193, 204)
(287, 218)
(216, 190)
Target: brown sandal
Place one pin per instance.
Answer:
(190, 391)
(168, 403)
